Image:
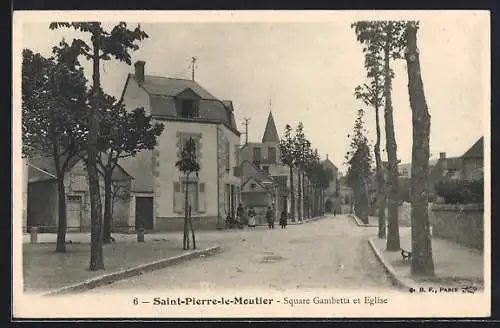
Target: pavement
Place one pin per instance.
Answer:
(454, 265)
(330, 253)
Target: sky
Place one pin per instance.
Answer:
(304, 67)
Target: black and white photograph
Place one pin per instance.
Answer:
(245, 164)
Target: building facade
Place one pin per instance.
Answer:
(265, 156)
(43, 198)
(158, 189)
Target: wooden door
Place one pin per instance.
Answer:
(73, 212)
(144, 212)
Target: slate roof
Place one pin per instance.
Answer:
(476, 151)
(163, 90)
(38, 164)
(270, 133)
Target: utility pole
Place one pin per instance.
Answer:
(193, 66)
(246, 119)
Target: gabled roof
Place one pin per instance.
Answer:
(42, 168)
(258, 173)
(166, 86)
(453, 163)
(270, 133)
(476, 151)
(329, 163)
(163, 91)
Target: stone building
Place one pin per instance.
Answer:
(188, 111)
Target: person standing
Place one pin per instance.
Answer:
(270, 217)
(283, 219)
(240, 215)
(251, 218)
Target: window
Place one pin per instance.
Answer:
(237, 155)
(227, 158)
(180, 195)
(253, 185)
(257, 154)
(181, 142)
(189, 108)
(271, 154)
(265, 168)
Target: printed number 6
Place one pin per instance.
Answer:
(136, 301)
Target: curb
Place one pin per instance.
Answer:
(399, 282)
(135, 271)
(361, 224)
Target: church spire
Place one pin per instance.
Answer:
(270, 133)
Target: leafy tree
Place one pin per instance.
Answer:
(422, 262)
(103, 45)
(305, 157)
(53, 104)
(188, 163)
(299, 150)
(388, 39)
(287, 147)
(358, 160)
(372, 95)
(121, 134)
(309, 171)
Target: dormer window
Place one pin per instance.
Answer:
(189, 108)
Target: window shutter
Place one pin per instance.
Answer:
(202, 205)
(178, 199)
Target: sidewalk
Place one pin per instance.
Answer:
(44, 270)
(454, 265)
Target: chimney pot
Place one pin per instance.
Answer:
(442, 155)
(139, 70)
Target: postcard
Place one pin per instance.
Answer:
(251, 164)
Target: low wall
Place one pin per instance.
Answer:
(460, 223)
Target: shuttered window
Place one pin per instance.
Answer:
(202, 201)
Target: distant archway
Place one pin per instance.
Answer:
(329, 206)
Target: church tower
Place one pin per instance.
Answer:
(270, 133)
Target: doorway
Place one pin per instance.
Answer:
(144, 212)
(73, 212)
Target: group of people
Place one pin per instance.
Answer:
(250, 218)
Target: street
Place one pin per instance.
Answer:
(330, 253)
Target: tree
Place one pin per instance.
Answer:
(188, 163)
(306, 153)
(387, 38)
(422, 262)
(299, 151)
(117, 43)
(288, 158)
(53, 104)
(372, 95)
(121, 134)
(358, 160)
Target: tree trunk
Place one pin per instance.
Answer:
(299, 190)
(61, 226)
(422, 263)
(192, 230)
(61, 203)
(361, 205)
(393, 243)
(381, 202)
(292, 196)
(185, 239)
(108, 206)
(96, 256)
(305, 196)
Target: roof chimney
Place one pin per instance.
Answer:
(442, 155)
(139, 70)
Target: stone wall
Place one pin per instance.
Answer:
(460, 223)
